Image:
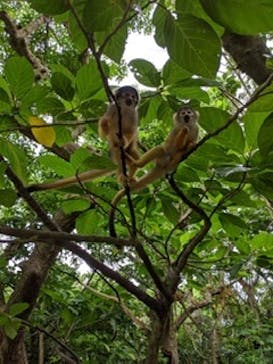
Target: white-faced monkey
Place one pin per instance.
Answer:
(126, 100)
(166, 156)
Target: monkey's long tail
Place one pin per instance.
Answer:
(65, 182)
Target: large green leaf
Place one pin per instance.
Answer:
(50, 105)
(159, 18)
(7, 197)
(50, 7)
(265, 139)
(252, 123)
(115, 47)
(193, 44)
(88, 81)
(232, 224)
(58, 165)
(62, 85)
(241, 16)
(88, 222)
(173, 73)
(264, 101)
(20, 75)
(145, 72)
(232, 137)
(100, 15)
(15, 156)
(73, 205)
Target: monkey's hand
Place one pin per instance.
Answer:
(181, 139)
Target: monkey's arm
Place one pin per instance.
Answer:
(65, 182)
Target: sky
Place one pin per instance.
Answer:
(143, 46)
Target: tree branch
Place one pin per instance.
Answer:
(19, 42)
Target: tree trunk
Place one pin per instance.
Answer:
(27, 289)
(163, 338)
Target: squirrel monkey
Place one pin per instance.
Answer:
(167, 156)
(127, 98)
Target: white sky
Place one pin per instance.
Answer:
(143, 46)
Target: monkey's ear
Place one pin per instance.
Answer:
(197, 114)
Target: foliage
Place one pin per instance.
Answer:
(53, 89)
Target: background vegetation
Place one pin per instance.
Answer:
(193, 282)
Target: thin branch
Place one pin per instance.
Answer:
(93, 263)
(49, 236)
(183, 256)
(19, 42)
(22, 191)
(58, 341)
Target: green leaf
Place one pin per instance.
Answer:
(169, 210)
(18, 308)
(7, 197)
(62, 85)
(159, 18)
(58, 165)
(115, 47)
(82, 159)
(87, 223)
(232, 137)
(241, 16)
(63, 135)
(35, 94)
(232, 224)
(173, 73)
(70, 206)
(145, 72)
(262, 241)
(199, 47)
(264, 102)
(101, 15)
(7, 122)
(264, 185)
(88, 81)
(252, 123)
(50, 105)
(20, 75)
(11, 331)
(16, 158)
(50, 7)
(265, 140)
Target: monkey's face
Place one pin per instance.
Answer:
(128, 96)
(186, 115)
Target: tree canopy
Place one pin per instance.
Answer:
(189, 276)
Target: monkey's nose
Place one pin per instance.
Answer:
(187, 118)
(128, 102)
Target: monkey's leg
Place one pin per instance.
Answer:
(152, 154)
(132, 152)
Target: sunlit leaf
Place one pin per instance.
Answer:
(44, 135)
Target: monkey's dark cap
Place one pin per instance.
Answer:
(125, 89)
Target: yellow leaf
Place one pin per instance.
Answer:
(44, 135)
